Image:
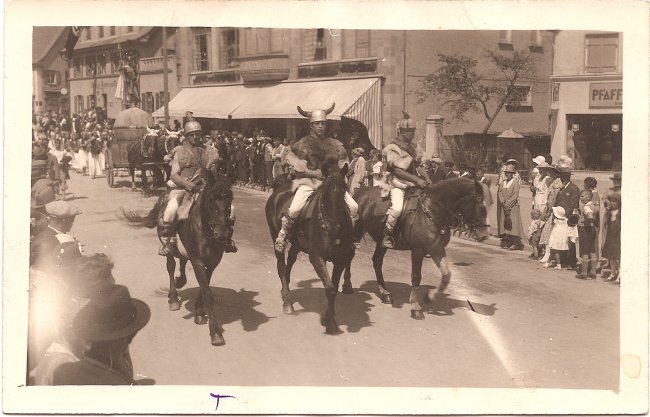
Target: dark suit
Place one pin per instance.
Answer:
(569, 198)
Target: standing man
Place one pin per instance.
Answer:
(449, 171)
(436, 172)
(568, 197)
(190, 162)
(307, 158)
(400, 156)
(47, 245)
(268, 161)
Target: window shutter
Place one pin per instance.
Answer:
(309, 45)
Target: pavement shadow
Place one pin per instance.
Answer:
(232, 306)
(351, 309)
(444, 305)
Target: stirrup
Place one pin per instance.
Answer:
(388, 241)
(167, 247)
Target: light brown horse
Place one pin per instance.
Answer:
(423, 228)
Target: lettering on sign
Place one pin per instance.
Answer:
(605, 95)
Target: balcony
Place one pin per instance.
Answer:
(215, 77)
(319, 69)
(155, 65)
(264, 68)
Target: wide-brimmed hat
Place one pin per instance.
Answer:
(358, 151)
(510, 168)
(559, 212)
(43, 197)
(543, 164)
(512, 161)
(539, 160)
(61, 209)
(111, 316)
(618, 176)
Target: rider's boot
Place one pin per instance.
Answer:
(387, 240)
(281, 240)
(168, 233)
(230, 245)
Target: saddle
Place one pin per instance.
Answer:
(411, 203)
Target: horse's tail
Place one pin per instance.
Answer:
(150, 220)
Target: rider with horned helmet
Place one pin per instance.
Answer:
(190, 163)
(306, 159)
(400, 156)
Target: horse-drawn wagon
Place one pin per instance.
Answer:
(128, 149)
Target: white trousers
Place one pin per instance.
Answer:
(302, 194)
(396, 207)
(175, 199)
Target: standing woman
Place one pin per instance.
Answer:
(510, 219)
(542, 187)
(547, 214)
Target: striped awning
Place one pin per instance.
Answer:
(356, 98)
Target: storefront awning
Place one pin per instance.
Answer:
(357, 98)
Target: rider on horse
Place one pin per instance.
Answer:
(306, 158)
(190, 162)
(401, 162)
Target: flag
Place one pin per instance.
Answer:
(73, 37)
(119, 89)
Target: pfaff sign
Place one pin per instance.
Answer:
(605, 95)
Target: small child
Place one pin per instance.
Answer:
(534, 232)
(587, 235)
(558, 242)
(612, 246)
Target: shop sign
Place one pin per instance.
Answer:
(605, 95)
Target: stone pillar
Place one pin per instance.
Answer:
(433, 135)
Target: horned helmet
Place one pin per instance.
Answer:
(317, 115)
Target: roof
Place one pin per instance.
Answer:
(111, 40)
(44, 38)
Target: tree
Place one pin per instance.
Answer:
(465, 87)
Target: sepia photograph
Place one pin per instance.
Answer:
(265, 215)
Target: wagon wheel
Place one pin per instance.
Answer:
(110, 177)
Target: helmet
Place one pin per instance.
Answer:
(406, 122)
(317, 115)
(192, 126)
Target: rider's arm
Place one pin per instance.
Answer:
(176, 176)
(403, 175)
(300, 166)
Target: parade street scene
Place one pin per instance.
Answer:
(325, 207)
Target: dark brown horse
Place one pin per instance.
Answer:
(325, 234)
(201, 241)
(423, 228)
(144, 155)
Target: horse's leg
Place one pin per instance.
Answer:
(216, 335)
(172, 296)
(145, 182)
(132, 172)
(440, 259)
(291, 260)
(347, 276)
(287, 303)
(181, 279)
(377, 263)
(327, 318)
(416, 277)
(206, 299)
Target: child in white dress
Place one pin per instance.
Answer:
(558, 242)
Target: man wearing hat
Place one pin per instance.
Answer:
(401, 160)
(189, 165)
(436, 171)
(307, 158)
(109, 324)
(615, 190)
(449, 170)
(42, 194)
(47, 244)
(510, 225)
(357, 171)
(568, 197)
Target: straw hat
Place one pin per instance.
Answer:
(559, 212)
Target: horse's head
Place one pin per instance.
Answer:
(170, 140)
(473, 211)
(216, 205)
(334, 185)
(148, 146)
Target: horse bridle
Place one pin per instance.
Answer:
(457, 215)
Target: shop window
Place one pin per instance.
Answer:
(52, 78)
(229, 48)
(601, 53)
(201, 49)
(111, 30)
(521, 98)
(100, 31)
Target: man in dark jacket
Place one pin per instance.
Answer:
(436, 170)
(568, 197)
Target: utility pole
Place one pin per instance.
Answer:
(165, 80)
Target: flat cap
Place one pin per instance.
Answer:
(61, 209)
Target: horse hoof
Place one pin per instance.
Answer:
(200, 320)
(180, 282)
(217, 339)
(347, 289)
(417, 314)
(386, 299)
(174, 305)
(288, 309)
(333, 331)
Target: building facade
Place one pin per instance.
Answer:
(587, 99)
(103, 53)
(49, 71)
